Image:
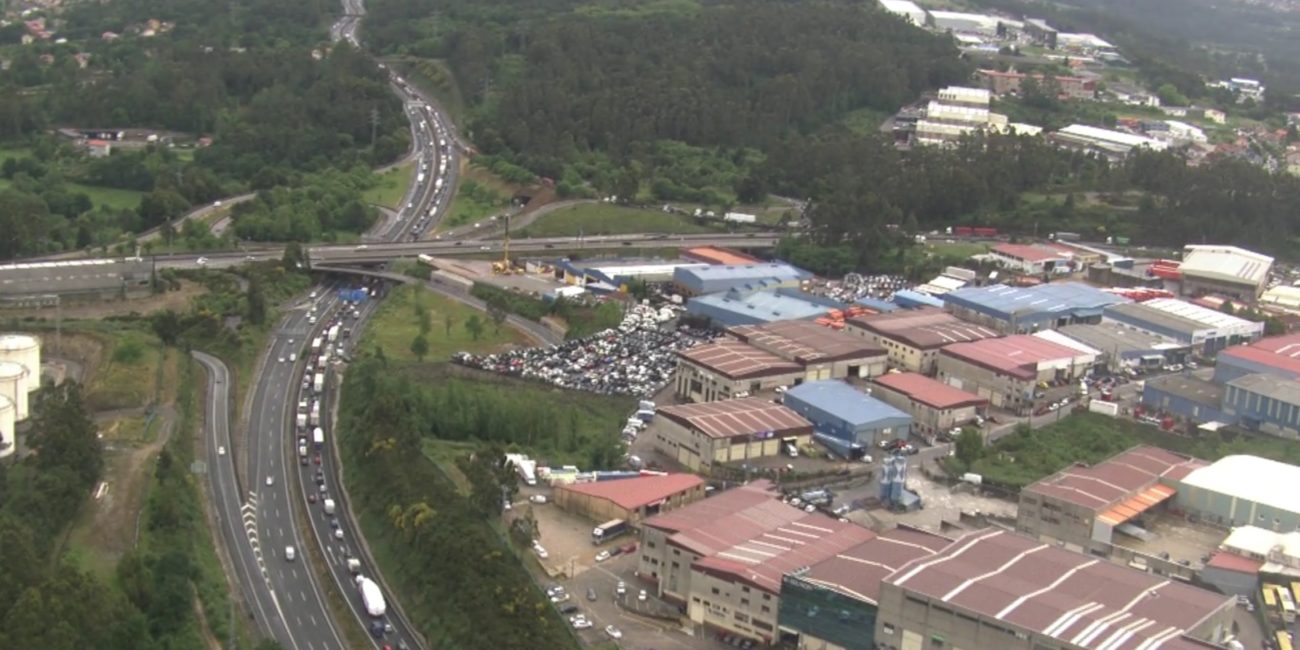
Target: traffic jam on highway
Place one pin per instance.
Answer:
(428, 130)
(333, 329)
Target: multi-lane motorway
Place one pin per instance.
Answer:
(259, 509)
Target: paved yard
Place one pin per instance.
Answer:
(1182, 540)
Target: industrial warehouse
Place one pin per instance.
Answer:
(912, 338)
(699, 435)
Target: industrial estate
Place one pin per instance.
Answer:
(506, 410)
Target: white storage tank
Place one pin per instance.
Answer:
(8, 418)
(13, 385)
(26, 350)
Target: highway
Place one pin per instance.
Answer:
(234, 507)
(298, 474)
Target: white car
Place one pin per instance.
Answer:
(270, 480)
(293, 356)
(541, 552)
(221, 451)
(642, 596)
(338, 533)
(538, 498)
(361, 247)
(216, 204)
(289, 553)
(202, 261)
(579, 622)
(621, 588)
(613, 632)
(602, 556)
(281, 359)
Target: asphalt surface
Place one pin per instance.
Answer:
(234, 507)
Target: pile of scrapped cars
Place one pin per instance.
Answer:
(637, 358)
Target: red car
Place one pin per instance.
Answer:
(317, 459)
(628, 548)
(311, 497)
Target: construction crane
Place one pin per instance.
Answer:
(504, 267)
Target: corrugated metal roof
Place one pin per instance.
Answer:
(856, 572)
(1113, 480)
(1051, 298)
(806, 342)
(737, 360)
(737, 417)
(1281, 352)
(633, 493)
(844, 401)
(923, 328)
(1226, 263)
(1017, 355)
(1251, 478)
(1074, 598)
(931, 392)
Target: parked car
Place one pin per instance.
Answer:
(602, 556)
(642, 596)
(621, 588)
(613, 632)
(538, 498)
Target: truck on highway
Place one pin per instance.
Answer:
(314, 419)
(302, 421)
(371, 597)
(318, 383)
(419, 178)
(329, 506)
(608, 530)
(318, 437)
(354, 566)
(315, 345)
(334, 333)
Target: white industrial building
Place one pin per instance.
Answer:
(1228, 270)
(1114, 145)
(1179, 133)
(1284, 296)
(905, 9)
(1243, 490)
(1082, 42)
(956, 21)
(1226, 325)
(1278, 550)
(956, 112)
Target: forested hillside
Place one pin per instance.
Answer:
(556, 81)
(243, 74)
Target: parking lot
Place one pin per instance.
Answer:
(638, 358)
(571, 564)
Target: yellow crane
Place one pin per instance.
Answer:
(504, 267)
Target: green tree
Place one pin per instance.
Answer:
(970, 446)
(498, 316)
(474, 325)
(256, 300)
(420, 346)
(294, 257)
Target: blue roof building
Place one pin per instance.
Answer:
(738, 307)
(839, 410)
(697, 281)
(1020, 310)
(881, 306)
(909, 299)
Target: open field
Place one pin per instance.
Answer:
(479, 195)
(1025, 456)
(391, 186)
(606, 219)
(397, 324)
(128, 375)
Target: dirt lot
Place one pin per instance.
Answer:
(178, 300)
(1182, 540)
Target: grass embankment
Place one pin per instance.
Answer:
(448, 327)
(434, 535)
(390, 186)
(606, 219)
(1027, 455)
(128, 374)
(480, 195)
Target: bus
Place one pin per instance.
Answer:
(1270, 601)
(1295, 591)
(1288, 604)
(1283, 640)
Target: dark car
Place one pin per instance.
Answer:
(377, 629)
(568, 608)
(628, 548)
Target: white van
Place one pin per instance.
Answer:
(289, 553)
